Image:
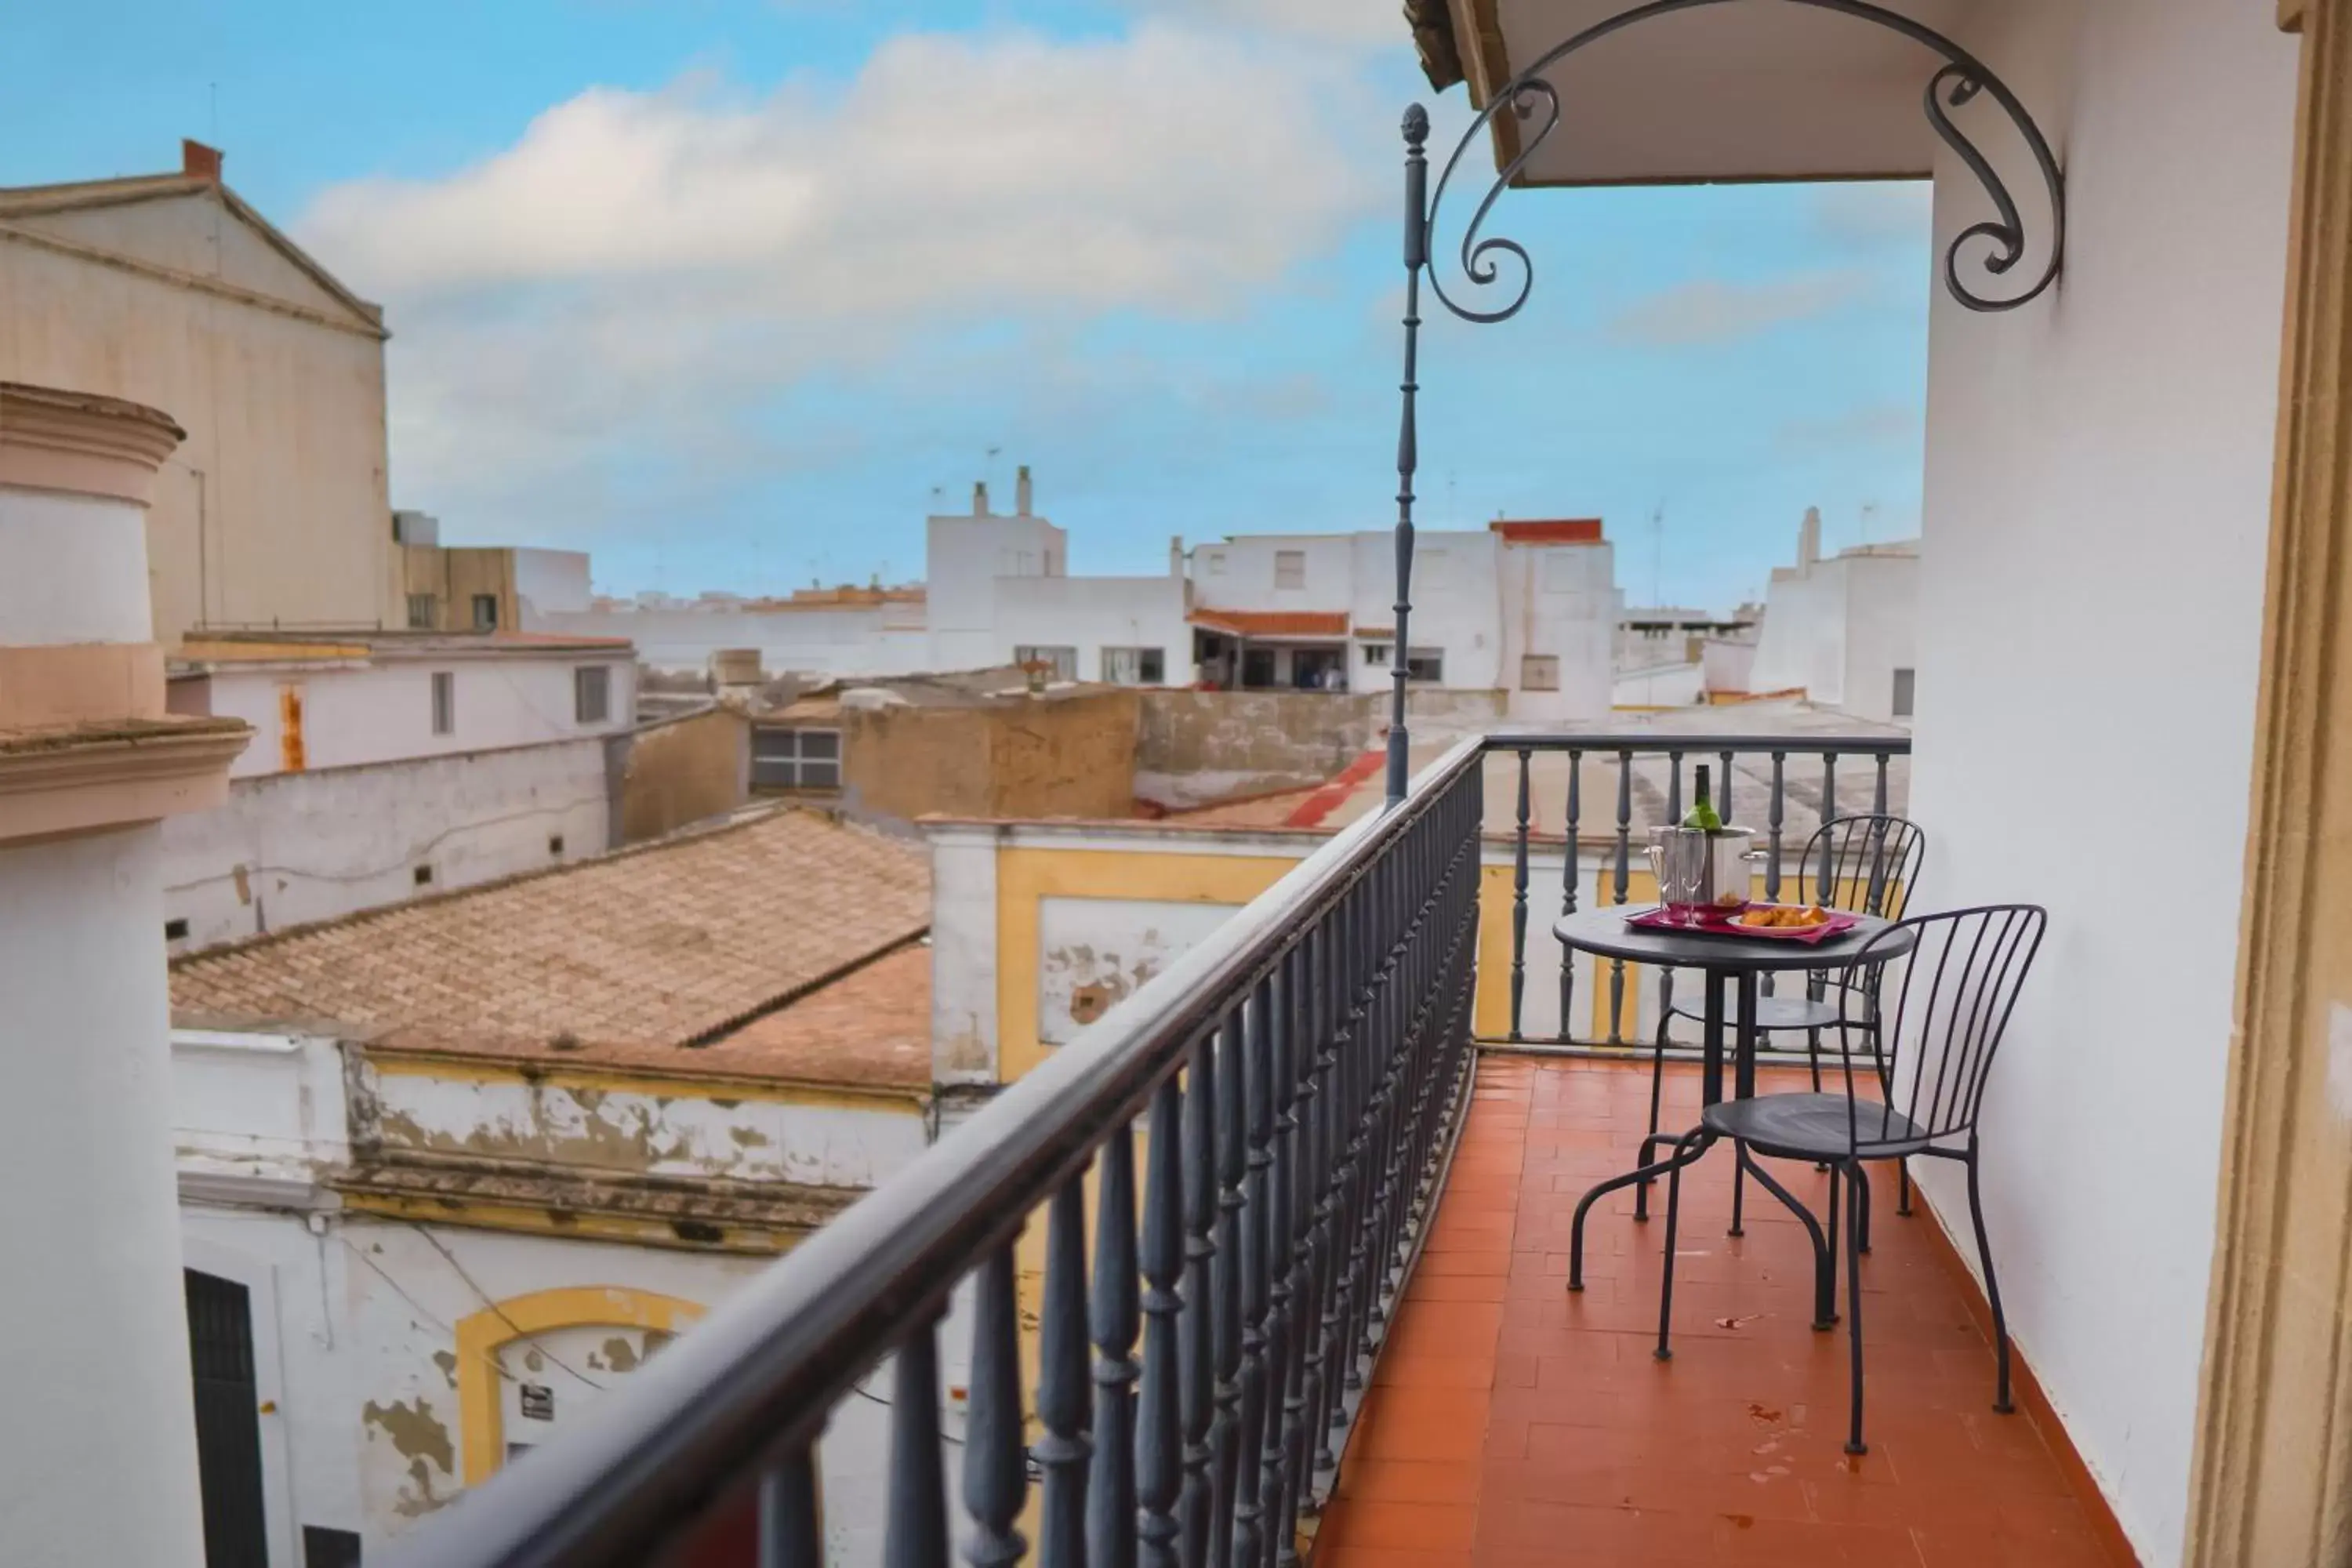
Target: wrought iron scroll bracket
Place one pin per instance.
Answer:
(1997, 246)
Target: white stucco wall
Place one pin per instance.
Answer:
(355, 715)
(1802, 644)
(1559, 600)
(88, 1211)
(963, 559)
(551, 581)
(858, 639)
(291, 848)
(2096, 464)
(1090, 613)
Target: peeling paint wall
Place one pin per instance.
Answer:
(1094, 953)
(693, 1133)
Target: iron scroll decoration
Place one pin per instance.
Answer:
(1959, 82)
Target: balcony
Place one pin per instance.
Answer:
(1268, 1264)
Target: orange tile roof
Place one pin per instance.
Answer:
(1274, 623)
(1558, 530)
(628, 957)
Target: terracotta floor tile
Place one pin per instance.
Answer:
(1390, 1523)
(1513, 1425)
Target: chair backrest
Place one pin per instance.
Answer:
(1866, 864)
(1929, 1035)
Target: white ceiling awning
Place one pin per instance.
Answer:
(1736, 90)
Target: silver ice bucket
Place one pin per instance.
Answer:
(1702, 872)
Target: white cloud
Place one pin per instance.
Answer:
(1875, 213)
(1873, 425)
(637, 263)
(1368, 23)
(1711, 311)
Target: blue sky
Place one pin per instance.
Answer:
(722, 292)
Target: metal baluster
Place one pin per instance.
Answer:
(1257, 1063)
(1115, 1318)
(790, 1536)
(1568, 873)
(916, 1534)
(995, 1478)
(1199, 1358)
(1520, 906)
(1300, 1388)
(1232, 1164)
(1829, 810)
(1330, 1246)
(1775, 813)
(1282, 1253)
(1062, 1406)
(1878, 792)
(1159, 1460)
(1674, 817)
(1624, 863)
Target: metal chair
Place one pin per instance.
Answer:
(1930, 1054)
(1863, 865)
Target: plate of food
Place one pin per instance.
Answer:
(1780, 918)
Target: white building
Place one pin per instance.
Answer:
(1844, 631)
(441, 1217)
(386, 766)
(1524, 609)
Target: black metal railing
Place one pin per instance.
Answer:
(1299, 1075)
(1782, 786)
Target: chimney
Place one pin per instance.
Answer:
(200, 162)
(1809, 540)
(1021, 490)
(980, 498)
(1175, 555)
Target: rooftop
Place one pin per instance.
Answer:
(217, 650)
(786, 945)
(1274, 623)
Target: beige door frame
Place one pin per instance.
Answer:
(2272, 1481)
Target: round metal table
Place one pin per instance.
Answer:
(1725, 961)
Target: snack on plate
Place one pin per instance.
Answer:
(1786, 917)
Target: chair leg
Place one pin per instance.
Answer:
(1739, 1187)
(1861, 1206)
(1813, 1056)
(1826, 1292)
(1666, 1285)
(1992, 1291)
(1902, 1188)
(1854, 1442)
(1657, 1081)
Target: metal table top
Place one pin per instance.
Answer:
(1604, 930)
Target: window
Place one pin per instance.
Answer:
(1290, 568)
(1540, 672)
(1377, 654)
(1063, 661)
(445, 702)
(1216, 562)
(486, 612)
(176, 930)
(1426, 665)
(591, 693)
(423, 611)
(1904, 685)
(1134, 666)
(795, 759)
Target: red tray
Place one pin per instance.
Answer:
(1838, 924)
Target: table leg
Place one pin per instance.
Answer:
(1691, 1145)
(1744, 1077)
(1711, 1080)
(1825, 1315)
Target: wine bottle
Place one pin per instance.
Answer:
(1702, 815)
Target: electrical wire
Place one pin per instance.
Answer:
(500, 1312)
(425, 847)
